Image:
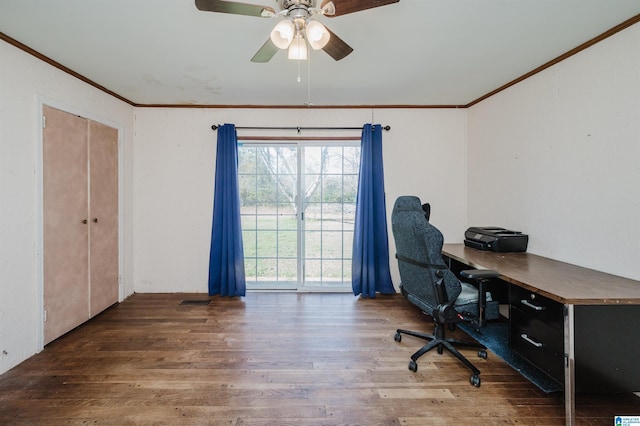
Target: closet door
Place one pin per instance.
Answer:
(65, 226)
(103, 214)
(80, 215)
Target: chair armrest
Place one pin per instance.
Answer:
(479, 274)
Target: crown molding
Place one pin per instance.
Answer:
(61, 67)
(629, 22)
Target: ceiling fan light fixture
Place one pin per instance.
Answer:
(298, 48)
(282, 34)
(317, 35)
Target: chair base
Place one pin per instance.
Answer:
(438, 341)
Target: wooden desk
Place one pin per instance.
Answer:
(601, 315)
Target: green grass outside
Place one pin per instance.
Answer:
(270, 247)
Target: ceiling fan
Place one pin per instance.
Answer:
(298, 26)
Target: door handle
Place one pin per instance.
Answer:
(85, 221)
(95, 220)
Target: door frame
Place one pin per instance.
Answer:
(41, 101)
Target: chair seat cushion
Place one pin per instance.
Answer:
(467, 301)
(469, 294)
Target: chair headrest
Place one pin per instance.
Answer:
(407, 203)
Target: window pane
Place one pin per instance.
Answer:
(263, 211)
(287, 222)
(311, 188)
(313, 217)
(351, 155)
(287, 244)
(312, 244)
(249, 243)
(332, 271)
(248, 221)
(287, 270)
(312, 160)
(266, 269)
(250, 268)
(346, 271)
(287, 160)
(331, 216)
(347, 244)
(332, 245)
(350, 188)
(312, 271)
(266, 243)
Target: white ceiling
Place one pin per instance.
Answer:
(415, 52)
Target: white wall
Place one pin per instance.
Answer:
(557, 156)
(25, 82)
(174, 166)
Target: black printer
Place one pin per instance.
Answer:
(495, 239)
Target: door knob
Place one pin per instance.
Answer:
(85, 221)
(95, 220)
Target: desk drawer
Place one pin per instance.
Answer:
(537, 342)
(537, 307)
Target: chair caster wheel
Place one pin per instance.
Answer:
(413, 366)
(482, 353)
(475, 380)
(397, 337)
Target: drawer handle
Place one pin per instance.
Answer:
(525, 302)
(530, 340)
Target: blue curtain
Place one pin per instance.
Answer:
(370, 260)
(226, 259)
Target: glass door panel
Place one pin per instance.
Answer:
(267, 178)
(329, 211)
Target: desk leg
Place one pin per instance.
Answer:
(482, 303)
(569, 366)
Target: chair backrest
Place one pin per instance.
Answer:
(426, 208)
(419, 252)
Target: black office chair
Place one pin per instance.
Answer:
(430, 285)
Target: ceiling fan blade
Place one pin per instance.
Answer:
(235, 8)
(266, 52)
(343, 7)
(336, 47)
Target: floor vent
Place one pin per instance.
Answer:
(195, 302)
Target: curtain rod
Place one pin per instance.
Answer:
(215, 127)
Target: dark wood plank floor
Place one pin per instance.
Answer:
(271, 359)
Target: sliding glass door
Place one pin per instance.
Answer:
(298, 209)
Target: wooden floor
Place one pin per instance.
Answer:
(271, 359)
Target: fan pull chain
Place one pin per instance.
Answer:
(309, 80)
